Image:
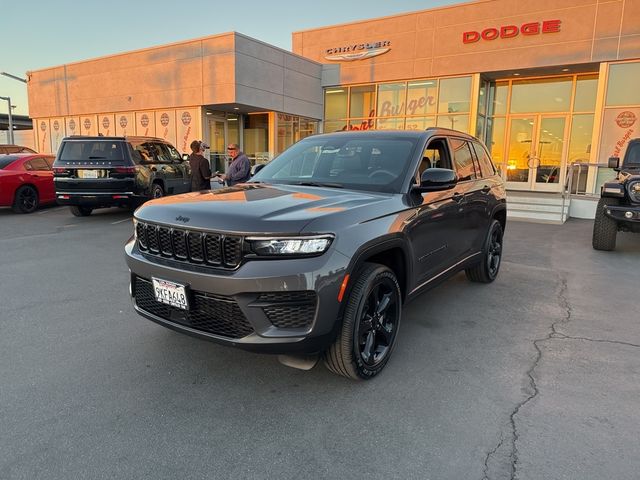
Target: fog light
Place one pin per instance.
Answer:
(628, 214)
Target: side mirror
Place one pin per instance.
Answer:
(185, 157)
(437, 179)
(614, 162)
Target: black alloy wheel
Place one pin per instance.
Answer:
(488, 268)
(370, 324)
(377, 326)
(157, 191)
(26, 200)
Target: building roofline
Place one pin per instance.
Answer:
(172, 44)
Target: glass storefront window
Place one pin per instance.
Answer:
(622, 88)
(307, 127)
(362, 103)
(390, 124)
(420, 123)
(285, 132)
(480, 127)
(421, 97)
(541, 95)
(456, 122)
(455, 95)
(482, 97)
(334, 126)
(256, 137)
(335, 103)
(580, 138)
(586, 91)
(499, 97)
(495, 132)
(391, 99)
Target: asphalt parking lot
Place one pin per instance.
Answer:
(536, 376)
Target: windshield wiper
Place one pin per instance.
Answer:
(319, 184)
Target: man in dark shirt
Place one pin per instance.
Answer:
(200, 171)
(240, 169)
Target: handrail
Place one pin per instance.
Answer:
(568, 190)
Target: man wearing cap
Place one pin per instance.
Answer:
(200, 171)
(240, 169)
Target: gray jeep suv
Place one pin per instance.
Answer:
(319, 251)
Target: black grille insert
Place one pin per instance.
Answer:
(191, 246)
(214, 314)
(289, 309)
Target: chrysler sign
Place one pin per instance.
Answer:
(511, 31)
(357, 51)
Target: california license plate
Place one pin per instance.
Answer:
(90, 173)
(170, 293)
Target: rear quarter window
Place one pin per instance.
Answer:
(486, 165)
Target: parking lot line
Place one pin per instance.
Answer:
(48, 210)
(120, 221)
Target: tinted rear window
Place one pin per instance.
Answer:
(89, 150)
(6, 161)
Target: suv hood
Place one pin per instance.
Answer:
(255, 208)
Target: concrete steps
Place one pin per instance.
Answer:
(537, 207)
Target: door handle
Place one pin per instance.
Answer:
(486, 189)
(457, 197)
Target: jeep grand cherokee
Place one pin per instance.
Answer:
(318, 253)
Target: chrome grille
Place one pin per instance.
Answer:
(214, 249)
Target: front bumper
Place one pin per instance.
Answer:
(283, 306)
(623, 213)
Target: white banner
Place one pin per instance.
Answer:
(89, 125)
(188, 122)
(166, 125)
(72, 126)
(106, 125)
(125, 124)
(44, 137)
(618, 127)
(57, 133)
(145, 124)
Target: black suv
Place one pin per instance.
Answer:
(619, 205)
(320, 250)
(98, 172)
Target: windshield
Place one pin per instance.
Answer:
(632, 158)
(87, 150)
(372, 163)
(6, 161)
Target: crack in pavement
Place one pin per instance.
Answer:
(562, 336)
(564, 303)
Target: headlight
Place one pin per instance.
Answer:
(634, 191)
(290, 246)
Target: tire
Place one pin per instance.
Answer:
(80, 211)
(157, 191)
(605, 229)
(26, 200)
(488, 268)
(365, 341)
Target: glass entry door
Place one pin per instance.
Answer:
(218, 144)
(536, 150)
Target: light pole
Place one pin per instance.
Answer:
(20, 79)
(8, 99)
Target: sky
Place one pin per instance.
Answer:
(43, 33)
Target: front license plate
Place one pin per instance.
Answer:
(170, 293)
(89, 173)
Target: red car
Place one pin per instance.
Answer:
(26, 181)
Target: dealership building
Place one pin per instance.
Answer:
(550, 86)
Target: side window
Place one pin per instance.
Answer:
(49, 161)
(28, 166)
(436, 155)
(463, 160)
(145, 152)
(486, 166)
(174, 155)
(161, 153)
(39, 164)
